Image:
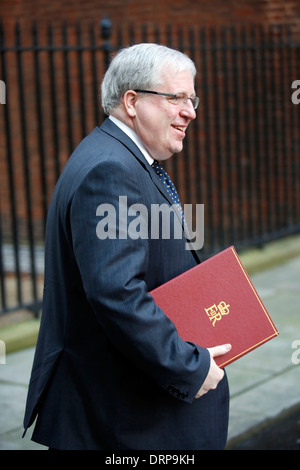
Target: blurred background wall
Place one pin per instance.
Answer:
(242, 153)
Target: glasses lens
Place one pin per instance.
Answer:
(195, 101)
(181, 98)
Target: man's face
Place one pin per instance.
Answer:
(160, 124)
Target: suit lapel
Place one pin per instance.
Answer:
(114, 131)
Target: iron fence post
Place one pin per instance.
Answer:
(106, 29)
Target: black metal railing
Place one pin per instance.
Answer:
(241, 157)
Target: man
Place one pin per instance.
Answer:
(110, 371)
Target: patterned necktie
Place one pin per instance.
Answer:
(168, 184)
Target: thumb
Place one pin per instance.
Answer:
(219, 350)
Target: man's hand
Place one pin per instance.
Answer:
(215, 374)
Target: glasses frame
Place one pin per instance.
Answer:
(194, 100)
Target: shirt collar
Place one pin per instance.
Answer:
(133, 137)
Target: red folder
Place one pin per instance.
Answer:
(216, 303)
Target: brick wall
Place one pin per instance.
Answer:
(173, 11)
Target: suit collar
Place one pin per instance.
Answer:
(133, 136)
(113, 130)
(109, 127)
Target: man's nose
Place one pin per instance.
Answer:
(188, 110)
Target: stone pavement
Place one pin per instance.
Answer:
(264, 385)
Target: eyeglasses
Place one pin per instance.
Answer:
(179, 98)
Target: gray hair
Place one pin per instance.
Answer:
(140, 67)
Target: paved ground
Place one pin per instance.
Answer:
(284, 434)
(265, 384)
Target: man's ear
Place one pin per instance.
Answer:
(129, 101)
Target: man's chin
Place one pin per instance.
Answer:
(177, 149)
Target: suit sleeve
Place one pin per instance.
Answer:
(113, 271)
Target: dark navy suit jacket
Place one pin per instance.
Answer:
(110, 371)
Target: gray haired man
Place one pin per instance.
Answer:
(110, 371)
